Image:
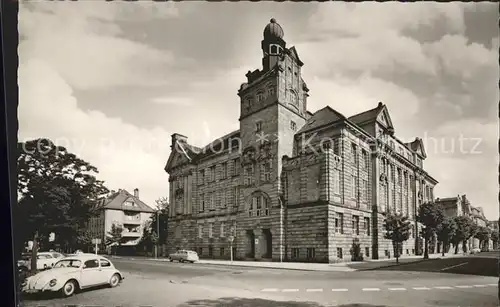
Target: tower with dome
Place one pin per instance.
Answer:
(291, 185)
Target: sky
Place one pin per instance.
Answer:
(111, 81)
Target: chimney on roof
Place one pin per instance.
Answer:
(136, 193)
(177, 138)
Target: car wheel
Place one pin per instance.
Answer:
(171, 260)
(69, 288)
(114, 281)
(45, 266)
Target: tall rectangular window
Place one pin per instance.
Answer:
(237, 167)
(366, 225)
(266, 171)
(202, 177)
(354, 186)
(222, 230)
(200, 231)
(355, 224)
(336, 181)
(249, 175)
(223, 172)
(202, 202)
(339, 223)
(212, 173)
(236, 196)
(210, 230)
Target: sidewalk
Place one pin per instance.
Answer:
(368, 264)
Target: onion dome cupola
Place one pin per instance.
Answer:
(272, 44)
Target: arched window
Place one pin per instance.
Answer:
(259, 205)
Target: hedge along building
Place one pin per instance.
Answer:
(289, 184)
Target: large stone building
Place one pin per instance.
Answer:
(290, 184)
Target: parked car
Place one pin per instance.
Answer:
(475, 251)
(45, 260)
(57, 255)
(184, 256)
(74, 273)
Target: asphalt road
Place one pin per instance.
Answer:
(150, 283)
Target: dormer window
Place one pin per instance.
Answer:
(129, 203)
(270, 91)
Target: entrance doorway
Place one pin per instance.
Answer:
(268, 238)
(250, 244)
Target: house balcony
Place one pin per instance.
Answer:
(131, 234)
(132, 220)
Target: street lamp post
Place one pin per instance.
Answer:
(157, 232)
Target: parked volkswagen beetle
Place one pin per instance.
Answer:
(74, 273)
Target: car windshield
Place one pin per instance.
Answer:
(68, 263)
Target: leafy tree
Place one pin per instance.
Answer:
(114, 236)
(83, 239)
(431, 216)
(155, 230)
(356, 254)
(58, 192)
(445, 231)
(397, 229)
(462, 232)
(494, 238)
(483, 235)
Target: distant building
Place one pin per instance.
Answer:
(460, 206)
(124, 209)
(290, 184)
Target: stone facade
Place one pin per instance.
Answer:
(292, 185)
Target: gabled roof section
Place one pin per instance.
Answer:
(182, 153)
(321, 118)
(418, 147)
(378, 114)
(294, 54)
(116, 201)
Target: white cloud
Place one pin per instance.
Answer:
(85, 48)
(173, 101)
(126, 156)
(370, 17)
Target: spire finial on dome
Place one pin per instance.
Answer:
(273, 20)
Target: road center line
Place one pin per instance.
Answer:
(314, 290)
(269, 290)
(397, 289)
(480, 286)
(340, 290)
(443, 288)
(371, 289)
(463, 287)
(454, 266)
(421, 288)
(290, 290)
